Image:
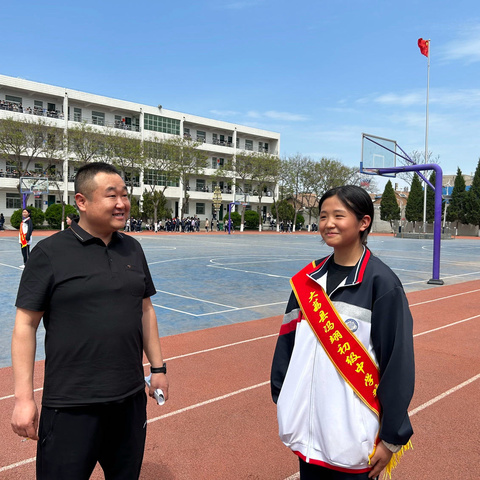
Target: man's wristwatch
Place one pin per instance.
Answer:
(162, 369)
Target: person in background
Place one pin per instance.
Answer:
(25, 234)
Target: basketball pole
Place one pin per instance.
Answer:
(426, 144)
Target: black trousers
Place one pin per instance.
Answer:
(309, 471)
(73, 440)
(25, 253)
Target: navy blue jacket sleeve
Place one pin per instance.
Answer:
(392, 338)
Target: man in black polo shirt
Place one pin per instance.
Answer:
(92, 286)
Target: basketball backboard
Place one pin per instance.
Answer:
(377, 153)
(35, 185)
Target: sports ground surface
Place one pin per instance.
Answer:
(219, 303)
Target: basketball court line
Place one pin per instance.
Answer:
(220, 347)
(262, 384)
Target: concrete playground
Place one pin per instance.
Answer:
(219, 303)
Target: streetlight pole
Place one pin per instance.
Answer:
(217, 202)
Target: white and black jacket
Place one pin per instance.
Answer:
(320, 417)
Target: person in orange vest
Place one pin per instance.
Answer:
(25, 233)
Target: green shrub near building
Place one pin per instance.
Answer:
(36, 215)
(53, 214)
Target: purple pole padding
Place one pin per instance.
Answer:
(437, 219)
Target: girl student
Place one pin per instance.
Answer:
(343, 368)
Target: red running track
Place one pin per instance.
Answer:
(220, 422)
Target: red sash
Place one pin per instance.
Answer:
(347, 353)
(23, 236)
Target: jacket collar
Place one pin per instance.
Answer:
(354, 277)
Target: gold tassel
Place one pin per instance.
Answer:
(387, 473)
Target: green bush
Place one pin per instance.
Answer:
(300, 222)
(37, 217)
(236, 219)
(53, 214)
(251, 219)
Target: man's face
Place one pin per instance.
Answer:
(107, 207)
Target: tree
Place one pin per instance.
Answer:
(155, 206)
(330, 173)
(265, 171)
(186, 159)
(126, 154)
(389, 209)
(456, 206)
(300, 181)
(158, 174)
(472, 200)
(242, 166)
(85, 144)
(431, 198)
(284, 211)
(414, 207)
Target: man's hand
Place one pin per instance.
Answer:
(158, 380)
(379, 460)
(25, 419)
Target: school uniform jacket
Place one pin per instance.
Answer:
(320, 417)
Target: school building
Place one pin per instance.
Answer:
(63, 108)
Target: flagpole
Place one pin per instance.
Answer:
(426, 144)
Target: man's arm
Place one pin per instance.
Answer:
(24, 343)
(151, 345)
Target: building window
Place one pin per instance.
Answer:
(155, 177)
(217, 162)
(248, 144)
(10, 167)
(14, 201)
(77, 114)
(39, 202)
(38, 169)
(200, 210)
(200, 185)
(13, 99)
(156, 123)
(201, 136)
(38, 104)
(186, 133)
(263, 147)
(98, 118)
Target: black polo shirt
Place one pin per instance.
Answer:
(92, 297)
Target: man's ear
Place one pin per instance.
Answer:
(80, 201)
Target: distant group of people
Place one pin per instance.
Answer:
(133, 225)
(18, 107)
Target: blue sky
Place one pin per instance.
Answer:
(319, 72)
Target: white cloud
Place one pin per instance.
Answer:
(224, 113)
(467, 47)
(275, 115)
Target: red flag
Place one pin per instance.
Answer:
(424, 46)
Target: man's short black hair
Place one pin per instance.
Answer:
(86, 174)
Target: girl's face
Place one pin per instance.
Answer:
(25, 214)
(339, 227)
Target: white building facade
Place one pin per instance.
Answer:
(63, 108)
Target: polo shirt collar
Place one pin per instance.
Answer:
(85, 237)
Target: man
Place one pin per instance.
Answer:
(92, 286)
